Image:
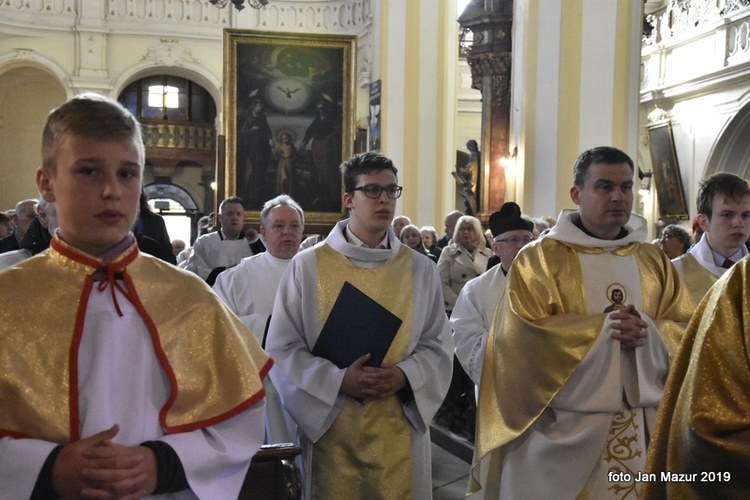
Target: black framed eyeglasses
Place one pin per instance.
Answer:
(374, 191)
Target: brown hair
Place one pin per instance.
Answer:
(93, 116)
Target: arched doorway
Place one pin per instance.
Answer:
(178, 209)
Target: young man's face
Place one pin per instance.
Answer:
(606, 199)
(371, 216)
(729, 226)
(96, 189)
(232, 219)
(282, 233)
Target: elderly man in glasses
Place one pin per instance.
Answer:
(476, 303)
(364, 348)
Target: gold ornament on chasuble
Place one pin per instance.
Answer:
(213, 375)
(366, 453)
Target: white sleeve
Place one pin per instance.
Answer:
(429, 366)
(308, 385)
(196, 262)
(470, 329)
(21, 460)
(241, 303)
(216, 458)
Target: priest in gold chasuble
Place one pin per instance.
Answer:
(364, 426)
(579, 349)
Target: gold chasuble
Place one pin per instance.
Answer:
(546, 323)
(213, 375)
(701, 447)
(697, 278)
(366, 452)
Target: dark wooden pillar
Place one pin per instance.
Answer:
(490, 60)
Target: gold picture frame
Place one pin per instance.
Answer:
(667, 177)
(289, 102)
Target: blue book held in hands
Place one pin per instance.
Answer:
(356, 325)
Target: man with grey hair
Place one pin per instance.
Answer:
(450, 224)
(249, 289)
(23, 216)
(37, 236)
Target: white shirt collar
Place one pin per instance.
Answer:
(351, 238)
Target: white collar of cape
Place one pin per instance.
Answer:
(566, 231)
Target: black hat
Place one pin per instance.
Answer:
(508, 218)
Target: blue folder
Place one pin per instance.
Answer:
(356, 325)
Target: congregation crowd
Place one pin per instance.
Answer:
(601, 365)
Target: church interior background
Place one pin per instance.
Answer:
(555, 76)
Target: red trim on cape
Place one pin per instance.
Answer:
(13, 434)
(158, 350)
(219, 418)
(75, 255)
(75, 343)
(164, 362)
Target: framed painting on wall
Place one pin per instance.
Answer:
(667, 178)
(288, 120)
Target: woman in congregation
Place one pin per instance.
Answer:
(465, 258)
(412, 238)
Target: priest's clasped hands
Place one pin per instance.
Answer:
(631, 331)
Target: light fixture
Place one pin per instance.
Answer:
(239, 4)
(509, 158)
(645, 187)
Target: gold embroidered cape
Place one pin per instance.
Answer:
(703, 431)
(541, 332)
(213, 374)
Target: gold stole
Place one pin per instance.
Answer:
(366, 453)
(697, 278)
(212, 374)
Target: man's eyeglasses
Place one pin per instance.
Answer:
(516, 240)
(374, 191)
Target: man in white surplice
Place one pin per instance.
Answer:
(218, 250)
(578, 351)
(478, 299)
(249, 290)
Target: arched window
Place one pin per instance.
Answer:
(169, 98)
